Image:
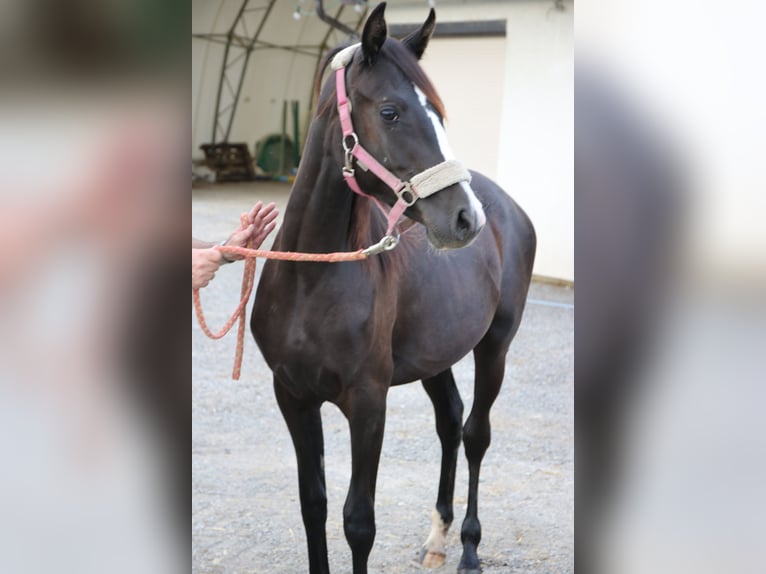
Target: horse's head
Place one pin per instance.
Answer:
(398, 118)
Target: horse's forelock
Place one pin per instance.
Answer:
(401, 56)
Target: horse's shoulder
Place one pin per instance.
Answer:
(500, 207)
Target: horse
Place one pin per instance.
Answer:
(346, 332)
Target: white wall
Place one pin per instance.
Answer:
(474, 106)
(537, 142)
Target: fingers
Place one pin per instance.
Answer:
(263, 234)
(257, 224)
(259, 215)
(209, 257)
(205, 262)
(263, 215)
(268, 229)
(254, 211)
(270, 213)
(239, 239)
(265, 222)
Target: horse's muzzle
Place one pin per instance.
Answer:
(462, 228)
(466, 225)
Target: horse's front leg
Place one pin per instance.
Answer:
(304, 421)
(448, 408)
(365, 409)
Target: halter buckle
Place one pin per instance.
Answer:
(406, 194)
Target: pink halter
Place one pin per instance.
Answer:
(422, 185)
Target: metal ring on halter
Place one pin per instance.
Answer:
(347, 148)
(388, 243)
(404, 191)
(348, 169)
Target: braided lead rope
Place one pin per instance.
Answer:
(248, 281)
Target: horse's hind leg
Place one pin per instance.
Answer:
(448, 409)
(304, 421)
(489, 358)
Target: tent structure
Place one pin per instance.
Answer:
(259, 40)
(247, 33)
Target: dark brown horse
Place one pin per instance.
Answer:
(347, 332)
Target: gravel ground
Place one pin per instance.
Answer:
(246, 515)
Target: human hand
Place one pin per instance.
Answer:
(260, 221)
(264, 222)
(205, 262)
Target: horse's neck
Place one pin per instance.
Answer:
(319, 214)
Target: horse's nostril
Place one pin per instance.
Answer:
(463, 224)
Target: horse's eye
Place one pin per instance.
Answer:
(389, 113)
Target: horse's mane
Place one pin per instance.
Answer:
(401, 56)
(319, 78)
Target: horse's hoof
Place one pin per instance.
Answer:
(463, 569)
(432, 560)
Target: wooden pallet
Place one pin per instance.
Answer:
(229, 161)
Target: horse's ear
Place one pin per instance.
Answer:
(418, 40)
(374, 34)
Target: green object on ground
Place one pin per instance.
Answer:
(271, 150)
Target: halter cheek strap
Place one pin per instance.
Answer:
(424, 184)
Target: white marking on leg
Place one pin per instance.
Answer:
(436, 545)
(441, 138)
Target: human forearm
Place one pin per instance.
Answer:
(199, 244)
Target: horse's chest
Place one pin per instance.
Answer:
(317, 339)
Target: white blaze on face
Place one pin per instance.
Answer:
(441, 137)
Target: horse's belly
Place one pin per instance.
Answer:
(440, 342)
(445, 310)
